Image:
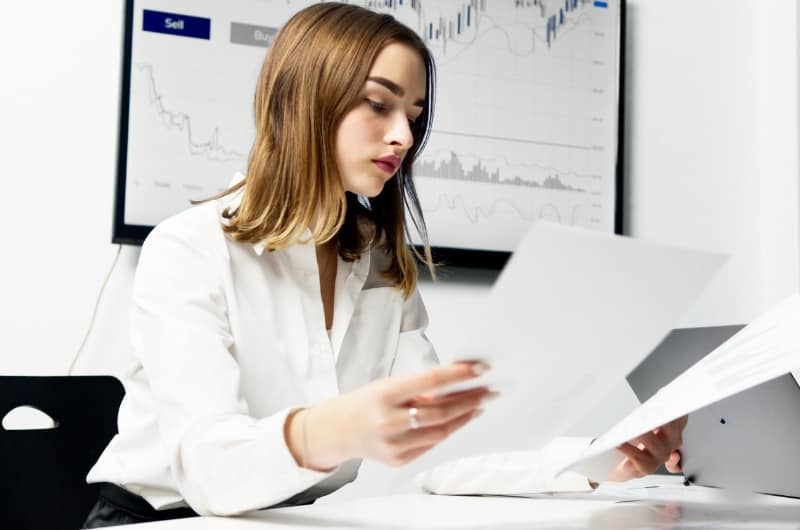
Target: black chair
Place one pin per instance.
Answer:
(43, 473)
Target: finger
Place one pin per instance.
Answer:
(430, 416)
(672, 432)
(400, 420)
(625, 470)
(407, 456)
(430, 436)
(673, 463)
(401, 389)
(429, 399)
(679, 423)
(642, 461)
(653, 444)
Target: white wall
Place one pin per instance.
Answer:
(58, 120)
(713, 143)
(712, 164)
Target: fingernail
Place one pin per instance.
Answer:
(492, 394)
(478, 368)
(476, 413)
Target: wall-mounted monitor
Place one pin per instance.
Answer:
(527, 124)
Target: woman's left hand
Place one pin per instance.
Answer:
(644, 454)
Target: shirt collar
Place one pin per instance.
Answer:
(303, 257)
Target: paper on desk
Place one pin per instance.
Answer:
(766, 349)
(570, 315)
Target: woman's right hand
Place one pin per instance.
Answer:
(374, 421)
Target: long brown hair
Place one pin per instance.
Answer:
(311, 78)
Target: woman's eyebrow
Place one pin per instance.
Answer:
(394, 88)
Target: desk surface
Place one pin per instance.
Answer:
(641, 505)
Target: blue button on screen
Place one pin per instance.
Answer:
(176, 24)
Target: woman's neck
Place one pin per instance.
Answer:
(327, 260)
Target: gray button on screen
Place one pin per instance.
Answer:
(251, 35)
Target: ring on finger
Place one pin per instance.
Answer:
(413, 421)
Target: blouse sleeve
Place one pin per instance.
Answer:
(516, 473)
(223, 460)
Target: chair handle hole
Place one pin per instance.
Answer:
(28, 418)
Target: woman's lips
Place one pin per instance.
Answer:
(387, 167)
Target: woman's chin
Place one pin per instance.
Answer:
(370, 189)
(373, 192)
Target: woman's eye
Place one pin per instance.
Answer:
(377, 106)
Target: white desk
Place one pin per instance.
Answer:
(655, 503)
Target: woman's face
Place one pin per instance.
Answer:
(374, 137)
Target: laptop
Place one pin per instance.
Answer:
(747, 442)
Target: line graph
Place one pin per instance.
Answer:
(498, 215)
(520, 140)
(452, 167)
(475, 213)
(212, 148)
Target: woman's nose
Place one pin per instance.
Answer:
(399, 133)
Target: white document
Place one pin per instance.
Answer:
(766, 349)
(572, 313)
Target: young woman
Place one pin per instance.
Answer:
(266, 322)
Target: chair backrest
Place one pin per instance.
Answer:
(43, 471)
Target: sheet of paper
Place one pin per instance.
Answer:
(766, 349)
(570, 315)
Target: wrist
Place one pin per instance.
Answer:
(318, 450)
(293, 436)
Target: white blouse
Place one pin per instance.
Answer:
(228, 339)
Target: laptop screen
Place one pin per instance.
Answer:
(679, 350)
